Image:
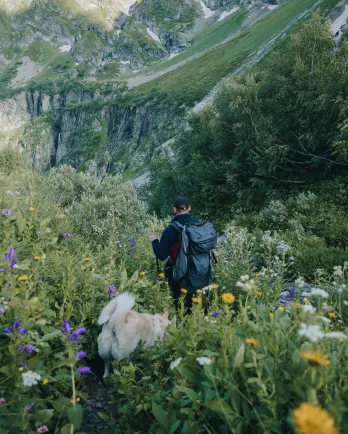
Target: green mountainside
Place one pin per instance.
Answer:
(108, 90)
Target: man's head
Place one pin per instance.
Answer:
(181, 205)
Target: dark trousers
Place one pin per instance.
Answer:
(175, 287)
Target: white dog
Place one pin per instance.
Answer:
(124, 329)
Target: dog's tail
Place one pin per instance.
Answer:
(120, 305)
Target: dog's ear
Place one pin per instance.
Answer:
(165, 315)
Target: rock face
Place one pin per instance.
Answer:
(88, 131)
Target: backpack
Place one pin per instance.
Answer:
(197, 241)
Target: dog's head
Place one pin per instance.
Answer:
(165, 321)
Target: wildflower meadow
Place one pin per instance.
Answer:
(264, 351)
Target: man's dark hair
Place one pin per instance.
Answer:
(182, 203)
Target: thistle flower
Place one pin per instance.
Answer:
(175, 364)
(84, 370)
(7, 212)
(310, 419)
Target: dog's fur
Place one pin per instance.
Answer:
(124, 329)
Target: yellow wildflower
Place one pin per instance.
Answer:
(45, 381)
(161, 275)
(252, 342)
(20, 369)
(31, 209)
(142, 273)
(183, 290)
(136, 257)
(86, 259)
(37, 258)
(140, 281)
(78, 399)
(258, 274)
(215, 286)
(312, 419)
(23, 278)
(259, 293)
(316, 358)
(307, 302)
(228, 276)
(228, 298)
(167, 283)
(199, 291)
(340, 340)
(271, 315)
(332, 315)
(281, 309)
(196, 300)
(58, 205)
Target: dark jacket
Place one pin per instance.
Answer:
(169, 243)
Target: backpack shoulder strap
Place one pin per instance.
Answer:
(177, 226)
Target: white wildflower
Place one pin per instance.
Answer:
(324, 319)
(31, 378)
(317, 291)
(300, 282)
(283, 247)
(338, 271)
(204, 360)
(345, 302)
(338, 335)
(266, 237)
(312, 332)
(9, 193)
(176, 363)
(307, 308)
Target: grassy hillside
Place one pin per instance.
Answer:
(195, 79)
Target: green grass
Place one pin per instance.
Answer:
(209, 38)
(193, 81)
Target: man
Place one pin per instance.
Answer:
(169, 246)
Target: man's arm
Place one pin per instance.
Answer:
(161, 248)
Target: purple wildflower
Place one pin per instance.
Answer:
(67, 235)
(7, 330)
(22, 365)
(80, 355)
(42, 429)
(16, 324)
(2, 402)
(11, 258)
(2, 270)
(43, 278)
(26, 349)
(215, 314)
(131, 243)
(74, 337)
(112, 290)
(7, 212)
(37, 285)
(29, 407)
(66, 325)
(19, 186)
(118, 244)
(84, 370)
(22, 332)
